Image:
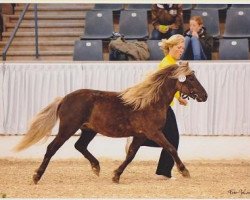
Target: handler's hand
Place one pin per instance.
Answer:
(182, 101)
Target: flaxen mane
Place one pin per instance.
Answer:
(148, 91)
(181, 69)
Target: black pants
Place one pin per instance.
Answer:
(171, 132)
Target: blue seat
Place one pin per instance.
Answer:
(113, 7)
(98, 25)
(155, 52)
(133, 24)
(139, 7)
(237, 23)
(233, 49)
(211, 6)
(240, 6)
(88, 50)
(210, 20)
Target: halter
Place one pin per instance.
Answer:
(191, 93)
(184, 96)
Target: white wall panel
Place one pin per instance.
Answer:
(27, 87)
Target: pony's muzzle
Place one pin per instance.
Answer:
(202, 98)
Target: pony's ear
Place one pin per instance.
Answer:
(183, 63)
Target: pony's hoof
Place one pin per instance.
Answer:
(185, 173)
(36, 178)
(96, 170)
(116, 179)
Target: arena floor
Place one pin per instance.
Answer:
(74, 178)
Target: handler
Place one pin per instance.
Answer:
(173, 49)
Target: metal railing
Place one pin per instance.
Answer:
(5, 50)
(36, 30)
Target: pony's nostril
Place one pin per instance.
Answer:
(205, 96)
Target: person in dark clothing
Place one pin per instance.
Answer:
(198, 43)
(173, 48)
(170, 131)
(167, 20)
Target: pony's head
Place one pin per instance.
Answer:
(187, 83)
(164, 83)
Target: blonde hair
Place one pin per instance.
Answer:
(166, 44)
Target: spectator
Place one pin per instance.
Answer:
(173, 49)
(1, 23)
(1, 26)
(198, 43)
(167, 20)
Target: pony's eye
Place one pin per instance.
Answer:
(191, 78)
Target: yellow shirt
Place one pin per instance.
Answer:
(166, 62)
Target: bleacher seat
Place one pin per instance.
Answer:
(88, 50)
(133, 24)
(210, 20)
(233, 49)
(187, 7)
(155, 52)
(237, 23)
(113, 7)
(98, 24)
(139, 7)
(211, 6)
(240, 6)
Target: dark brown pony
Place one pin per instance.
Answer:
(139, 111)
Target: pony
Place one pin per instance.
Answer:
(139, 111)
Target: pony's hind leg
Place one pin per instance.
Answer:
(51, 150)
(65, 132)
(81, 145)
(135, 145)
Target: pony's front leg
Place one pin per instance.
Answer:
(135, 145)
(161, 140)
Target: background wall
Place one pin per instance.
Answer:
(27, 87)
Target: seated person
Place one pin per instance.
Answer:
(167, 20)
(198, 43)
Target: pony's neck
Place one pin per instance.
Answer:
(168, 91)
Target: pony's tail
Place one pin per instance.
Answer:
(41, 125)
